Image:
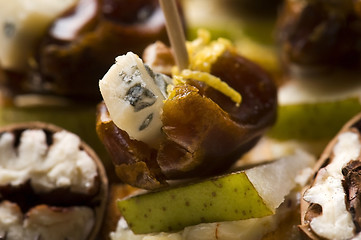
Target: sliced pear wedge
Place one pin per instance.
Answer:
(240, 195)
(276, 226)
(308, 112)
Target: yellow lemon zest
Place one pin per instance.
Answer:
(203, 39)
(214, 82)
(170, 91)
(203, 53)
(177, 80)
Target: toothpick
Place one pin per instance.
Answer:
(175, 32)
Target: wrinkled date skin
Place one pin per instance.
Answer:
(320, 34)
(204, 131)
(80, 47)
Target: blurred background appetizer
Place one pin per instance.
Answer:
(72, 48)
(320, 39)
(319, 53)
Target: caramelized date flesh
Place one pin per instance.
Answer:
(134, 161)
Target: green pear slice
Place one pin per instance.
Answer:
(307, 112)
(252, 193)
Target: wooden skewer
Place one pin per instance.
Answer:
(175, 32)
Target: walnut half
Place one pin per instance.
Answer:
(52, 185)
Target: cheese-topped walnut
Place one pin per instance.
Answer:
(52, 185)
(328, 192)
(332, 203)
(61, 165)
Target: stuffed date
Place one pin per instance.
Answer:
(197, 125)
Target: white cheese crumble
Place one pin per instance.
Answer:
(62, 164)
(22, 24)
(134, 97)
(335, 222)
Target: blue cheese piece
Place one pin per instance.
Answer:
(134, 96)
(22, 23)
